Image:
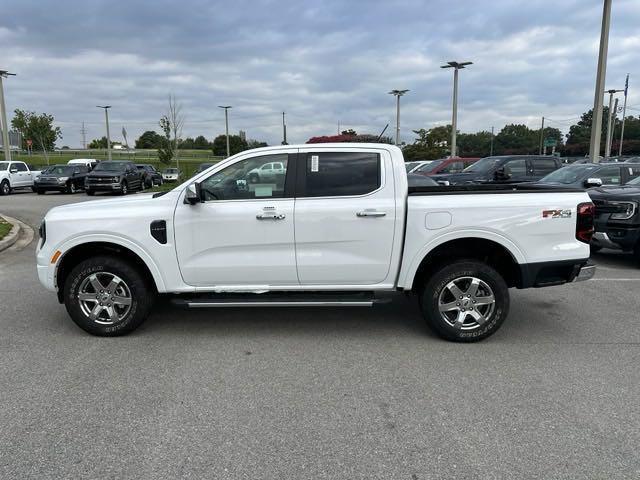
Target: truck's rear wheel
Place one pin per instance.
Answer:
(107, 296)
(465, 301)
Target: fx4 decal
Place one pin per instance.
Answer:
(556, 213)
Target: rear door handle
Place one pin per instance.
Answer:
(371, 213)
(270, 216)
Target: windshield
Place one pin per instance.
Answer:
(569, 174)
(430, 166)
(4, 165)
(109, 167)
(171, 170)
(483, 165)
(409, 165)
(59, 170)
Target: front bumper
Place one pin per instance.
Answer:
(616, 238)
(103, 187)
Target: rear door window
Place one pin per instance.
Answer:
(543, 166)
(518, 168)
(609, 175)
(337, 174)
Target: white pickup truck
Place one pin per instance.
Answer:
(337, 226)
(16, 175)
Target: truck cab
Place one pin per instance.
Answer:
(16, 175)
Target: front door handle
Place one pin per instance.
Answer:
(270, 216)
(371, 213)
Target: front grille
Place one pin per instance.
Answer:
(101, 180)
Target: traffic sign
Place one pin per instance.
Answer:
(550, 142)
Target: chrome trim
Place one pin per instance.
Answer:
(370, 213)
(311, 303)
(270, 216)
(586, 273)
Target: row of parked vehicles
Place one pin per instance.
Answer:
(614, 187)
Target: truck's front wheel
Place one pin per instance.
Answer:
(107, 296)
(465, 301)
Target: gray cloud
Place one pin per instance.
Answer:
(323, 62)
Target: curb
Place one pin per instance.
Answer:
(12, 236)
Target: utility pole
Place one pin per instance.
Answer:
(624, 114)
(491, 149)
(607, 145)
(596, 120)
(284, 131)
(398, 94)
(454, 116)
(83, 131)
(3, 113)
(106, 119)
(226, 124)
(541, 138)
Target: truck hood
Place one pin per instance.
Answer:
(628, 192)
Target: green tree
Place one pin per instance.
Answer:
(201, 143)
(98, 143)
(36, 127)
(236, 145)
(476, 144)
(149, 140)
(430, 144)
(165, 149)
(255, 144)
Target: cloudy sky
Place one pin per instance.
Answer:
(324, 63)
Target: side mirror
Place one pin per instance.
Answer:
(502, 173)
(593, 182)
(193, 194)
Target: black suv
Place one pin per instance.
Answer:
(617, 219)
(61, 178)
(113, 176)
(503, 169)
(150, 176)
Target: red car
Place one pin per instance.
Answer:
(446, 165)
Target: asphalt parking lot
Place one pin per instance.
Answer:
(328, 393)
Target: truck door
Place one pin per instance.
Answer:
(21, 176)
(242, 233)
(345, 216)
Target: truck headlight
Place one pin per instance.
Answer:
(63, 179)
(626, 210)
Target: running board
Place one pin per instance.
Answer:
(293, 299)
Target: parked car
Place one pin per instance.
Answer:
(218, 240)
(90, 163)
(445, 166)
(503, 169)
(410, 167)
(589, 175)
(61, 178)
(150, 176)
(16, 175)
(203, 166)
(171, 174)
(116, 176)
(617, 219)
(268, 172)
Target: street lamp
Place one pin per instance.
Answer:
(607, 146)
(226, 124)
(3, 123)
(106, 119)
(454, 116)
(398, 94)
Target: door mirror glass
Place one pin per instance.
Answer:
(193, 194)
(593, 182)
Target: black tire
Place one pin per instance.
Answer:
(91, 193)
(436, 291)
(71, 188)
(40, 192)
(125, 188)
(140, 293)
(5, 187)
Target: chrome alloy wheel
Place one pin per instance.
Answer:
(104, 298)
(466, 303)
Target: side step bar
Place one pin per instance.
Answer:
(293, 299)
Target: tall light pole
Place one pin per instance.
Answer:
(3, 113)
(284, 131)
(226, 124)
(398, 94)
(624, 114)
(607, 145)
(106, 119)
(454, 116)
(541, 138)
(596, 119)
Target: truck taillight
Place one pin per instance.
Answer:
(584, 222)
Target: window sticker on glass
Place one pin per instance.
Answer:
(314, 163)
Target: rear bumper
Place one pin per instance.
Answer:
(547, 274)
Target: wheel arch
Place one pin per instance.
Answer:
(79, 252)
(489, 251)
